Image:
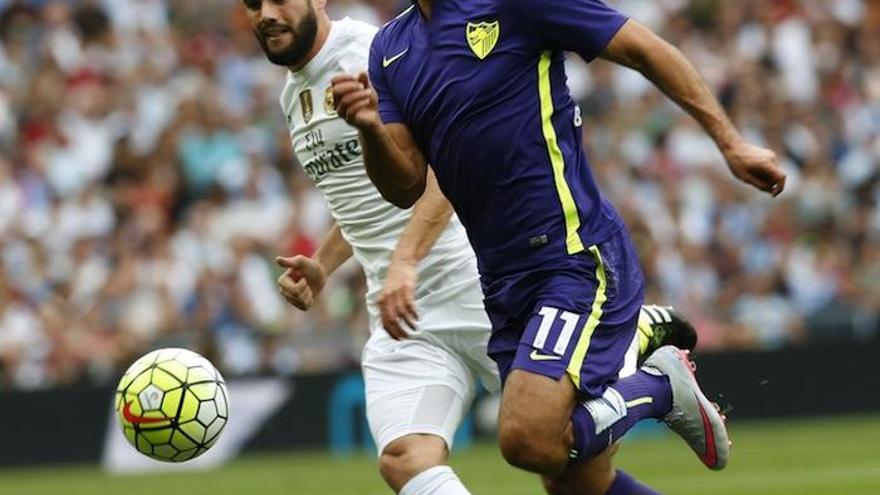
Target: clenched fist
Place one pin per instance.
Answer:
(756, 166)
(302, 281)
(356, 101)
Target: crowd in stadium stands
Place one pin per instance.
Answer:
(147, 182)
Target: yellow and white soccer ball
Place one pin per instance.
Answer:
(172, 404)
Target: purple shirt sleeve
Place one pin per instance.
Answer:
(387, 106)
(582, 26)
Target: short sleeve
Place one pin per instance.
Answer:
(387, 105)
(582, 26)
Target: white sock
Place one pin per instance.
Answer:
(439, 480)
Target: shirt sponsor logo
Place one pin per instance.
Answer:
(332, 159)
(482, 37)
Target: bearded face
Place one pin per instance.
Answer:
(285, 30)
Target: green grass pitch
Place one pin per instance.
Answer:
(828, 456)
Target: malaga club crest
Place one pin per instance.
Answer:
(482, 37)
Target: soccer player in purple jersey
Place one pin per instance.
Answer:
(477, 89)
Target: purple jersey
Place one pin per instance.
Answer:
(483, 89)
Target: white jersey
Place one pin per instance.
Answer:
(329, 150)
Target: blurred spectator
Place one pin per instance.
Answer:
(147, 182)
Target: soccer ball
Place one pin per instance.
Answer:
(172, 404)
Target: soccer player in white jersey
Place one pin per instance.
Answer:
(418, 389)
(419, 383)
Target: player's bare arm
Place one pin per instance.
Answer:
(430, 217)
(638, 48)
(394, 162)
(305, 277)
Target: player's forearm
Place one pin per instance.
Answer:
(637, 47)
(673, 74)
(429, 218)
(398, 177)
(333, 251)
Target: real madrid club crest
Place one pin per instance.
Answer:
(328, 101)
(308, 108)
(482, 37)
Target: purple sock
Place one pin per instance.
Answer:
(625, 485)
(599, 422)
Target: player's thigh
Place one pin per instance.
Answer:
(591, 477)
(535, 409)
(414, 387)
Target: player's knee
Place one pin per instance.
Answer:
(405, 458)
(524, 449)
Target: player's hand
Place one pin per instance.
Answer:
(302, 281)
(397, 302)
(356, 101)
(756, 166)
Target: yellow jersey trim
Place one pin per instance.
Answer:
(583, 344)
(573, 241)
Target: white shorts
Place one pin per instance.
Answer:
(425, 384)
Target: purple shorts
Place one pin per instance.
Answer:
(576, 318)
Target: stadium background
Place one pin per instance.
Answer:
(147, 182)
